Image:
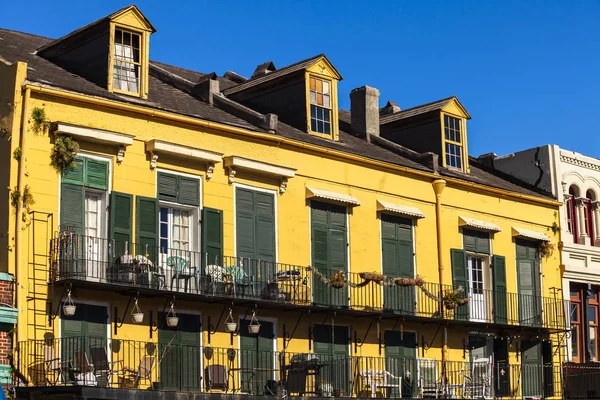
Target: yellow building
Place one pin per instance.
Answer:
(173, 230)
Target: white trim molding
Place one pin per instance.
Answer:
(96, 136)
(407, 211)
(159, 146)
(529, 234)
(331, 196)
(233, 163)
(477, 224)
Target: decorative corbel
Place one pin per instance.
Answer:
(564, 187)
(283, 185)
(231, 175)
(595, 205)
(120, 154)
(153, 159)
(210, 168)
(580, 201)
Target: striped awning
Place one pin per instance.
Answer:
(528, 234)
(407, 211)
(331, 196)
(477, 224)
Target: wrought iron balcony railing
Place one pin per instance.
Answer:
(77, 257)
(167, 365)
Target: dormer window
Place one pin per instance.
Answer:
(126, 61)
(453, 142)
(320, 106)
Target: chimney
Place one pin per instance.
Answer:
(263, 69)
(487, 159)
(390, 108)
(206, 88)
(364, 106)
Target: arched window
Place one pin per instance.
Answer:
(589, 216)
(572, 214)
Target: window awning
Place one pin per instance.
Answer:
(93, 135)
(407, 211)
(331, 196)
(477, 224)
(528, 234)
(233, 163)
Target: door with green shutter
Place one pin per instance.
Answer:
(331, 344)
(256, 357)
(397, 257)
(255, 237)
(528, 283)
(531, 367)
(146, 221)
(401, 361)
(180, 353)
(120, 232)
(459, 279)
(500, 300)
(329, 238)
(85, 330)
(72, 217)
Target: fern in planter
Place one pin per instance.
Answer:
(40, 122)
(63, 153)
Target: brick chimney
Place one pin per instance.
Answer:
(364, 106)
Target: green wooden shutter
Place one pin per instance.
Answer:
(245, 223)
(167, 187)
(548, 368)
(476, 241)
(265, 226)
(96, 174)
(401, 354)
(531, 359)
(147, 227)
(212, 231)
(501, 363)
(72, 207)
(459, 278)
(397, 255)
(75, 175)
(189, 330)
(500, 301)
(121, 212)
(169, 348)
(188, 191)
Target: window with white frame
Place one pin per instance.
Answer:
(126, 61)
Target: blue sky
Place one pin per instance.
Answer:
(527, 71)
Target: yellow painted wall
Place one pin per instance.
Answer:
(368, 184)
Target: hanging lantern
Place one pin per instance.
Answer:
(230, 324)
(136, 313)
(68, 307)
(172, 318)
(254, 326)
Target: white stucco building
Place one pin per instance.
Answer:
(574, 179)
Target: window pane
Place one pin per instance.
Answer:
(319, 126)
(313, 84)
(313, 97)
(326, 115)
(320, 99)
(164, 214)
(326, 101)
(319, 113)
(313, 125)
(325, 87)
(327, 128)
(591, 312)
(164, 230)
(575, 312)
(319, 85)
(164, 244)
(575, 341)
(593, 349)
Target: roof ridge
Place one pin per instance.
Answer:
(389, 117)
(175, 66)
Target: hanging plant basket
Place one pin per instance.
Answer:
(69, 311)
(254, 326)
(417, 281)
(545, 249)
(172, 321)
(136, 314)
(337, 280)
(63, 153)
(372, 276)
(230, 324)
(452, 300)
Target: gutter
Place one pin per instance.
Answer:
(195, 121)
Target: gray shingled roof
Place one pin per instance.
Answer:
(299, 66)
(17, 46)
(411, 112)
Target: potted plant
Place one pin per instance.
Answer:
(338, 280)
(230, 324)
(136, 314)
(172, 318)
(69, 307)
(254, 326)
(372, 276)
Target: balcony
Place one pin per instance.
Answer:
(96, 262)
(89, 366)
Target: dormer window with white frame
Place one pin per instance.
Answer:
(320, 106)
(126, 61)
(453, 142)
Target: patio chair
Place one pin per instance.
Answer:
(56, 367)
(381, 379)
(144, 371)
(84, 373)
(103, 367)
(216, 377)
(182, 270)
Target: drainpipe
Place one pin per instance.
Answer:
(438, 188)
(18, 220)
